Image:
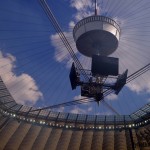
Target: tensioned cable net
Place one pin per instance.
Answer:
(35, 62)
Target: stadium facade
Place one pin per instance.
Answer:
(24, 129)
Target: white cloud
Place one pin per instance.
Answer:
(26, 90)
(61, 52)
(112, 97)
(85, 8)
(61, 109)
(104, 113)
(81, 97)
(81, 5)
(81, 110)
(71, 24)
(142, 84)
(78, 97)
(77, 110)
(89, 109)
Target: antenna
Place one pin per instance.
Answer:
(95, 7)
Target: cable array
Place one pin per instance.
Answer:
(28, 38)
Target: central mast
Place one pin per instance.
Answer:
(95, 7)
(97, 37)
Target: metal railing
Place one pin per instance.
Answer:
(10, 106)
(96, 18)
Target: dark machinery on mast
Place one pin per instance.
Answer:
(97, 37)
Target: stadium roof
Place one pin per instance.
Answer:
(10, 107)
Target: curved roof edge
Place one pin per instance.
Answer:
(9, 107)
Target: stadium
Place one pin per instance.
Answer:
(35, 110)
(22, 129)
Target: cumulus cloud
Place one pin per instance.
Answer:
(61, 109)
(61, 52)
(77, 110)
(112, 97)
(80, 5)
(104, 113)
(142, 84)
(85, 8)
(26, 90)
(81, 110)
(78, 97)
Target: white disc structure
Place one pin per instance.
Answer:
(96, 35)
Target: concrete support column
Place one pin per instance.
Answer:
(18, 136)
(7, 132)
(97, 142)
(75, 140)
(30, 138)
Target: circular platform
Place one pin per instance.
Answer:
(96, 35)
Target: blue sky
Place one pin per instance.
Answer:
(35, 65)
